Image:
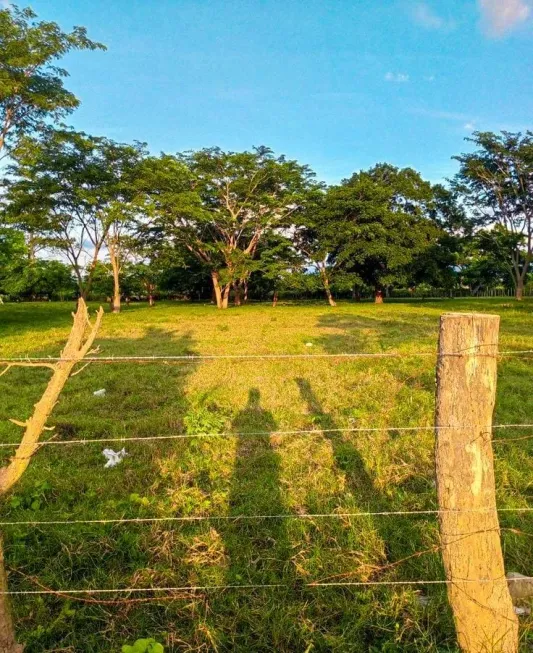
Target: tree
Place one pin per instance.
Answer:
(39, 278)
(13, 252)
(78, 191)
(487, 259)
(439, 264)
(381, 221)
(496, 183)
(315, 238)
(31, 85)
(220, 205)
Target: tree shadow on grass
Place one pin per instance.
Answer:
(364, 334)
(18, 318)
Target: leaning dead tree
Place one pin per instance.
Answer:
(79, 343)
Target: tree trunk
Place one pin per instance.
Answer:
(275, 299)
(237, 300)
(225, 295)
(215, 278)
(327, 289)
(245, 292)
(8, 642)
(519, 290)
(115, 265)
(378, 296)
(150, 298)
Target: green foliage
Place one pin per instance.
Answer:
(495, 184)
(38, 279)
(77, 190)
(33, 498)
(31, 85)
(220, 205)
(379, 223)
(204, 419)
(144, 646)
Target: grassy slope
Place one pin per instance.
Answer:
(318, 472)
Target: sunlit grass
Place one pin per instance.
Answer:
(321, 471)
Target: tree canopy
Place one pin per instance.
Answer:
(32, 91)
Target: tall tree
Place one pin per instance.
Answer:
(496, 183)
(381, 220)
(31, 84)
(78, 191)
(220, 205)
(315, 239)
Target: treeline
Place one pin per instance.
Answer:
(84, 215)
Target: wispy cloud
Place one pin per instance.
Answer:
(469, 126)
(444, 115)
(429, 78)
(397, 77)
(501, 16)
(425, 16)
(5, 4)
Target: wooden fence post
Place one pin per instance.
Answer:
(470, 533)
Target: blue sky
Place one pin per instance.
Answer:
(337, 84)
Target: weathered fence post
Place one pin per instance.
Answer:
(470, 534)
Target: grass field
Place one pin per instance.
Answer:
(315, 472)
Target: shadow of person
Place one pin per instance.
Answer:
(257, 548)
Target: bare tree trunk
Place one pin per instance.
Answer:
(115, 266)
(275, 299)
(378, 296)
(79, 342)
(519, 290)
(225, 295)
(8, 643)
(237, 288)
(245, 292)
(325, 283)
(215, 278)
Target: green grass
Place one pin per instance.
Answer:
(316, 472)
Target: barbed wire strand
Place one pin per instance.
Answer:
(247, 586)
(198, 357)
(199, 518)
(227, 434)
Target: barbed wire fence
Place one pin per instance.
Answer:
(466, 373)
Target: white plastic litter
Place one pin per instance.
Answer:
(114, 457)
(423, 600)
(308, 344)
(99, 393)
(522, 611)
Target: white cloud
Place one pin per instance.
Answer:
(5, 4)
(396, 77)
(429, 78)
(424, 15)
(469, 126)
(501, 16)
